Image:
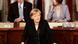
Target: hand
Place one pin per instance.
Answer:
(57, 20)
(18, 19)
(60, 20)
(22, 42)
(54, 20)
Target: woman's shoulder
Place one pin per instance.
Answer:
(44, 21)
(29, 22)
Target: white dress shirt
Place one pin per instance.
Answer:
(20, 6)
(36, 26)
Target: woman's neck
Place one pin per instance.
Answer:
(36, 23)
(58, 5)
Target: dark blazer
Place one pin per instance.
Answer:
(34, 37)
(14, 13)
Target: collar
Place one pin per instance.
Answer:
(22, 4)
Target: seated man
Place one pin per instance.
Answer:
(19, 11)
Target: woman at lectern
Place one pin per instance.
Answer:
(37, 30)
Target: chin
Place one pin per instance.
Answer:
(37, 21)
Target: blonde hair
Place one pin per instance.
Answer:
(34, 11)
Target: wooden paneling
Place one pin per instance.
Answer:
(14, 37)
(65, 36)
(3, 37)
(10, 35)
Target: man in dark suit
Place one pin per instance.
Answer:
(19, 11)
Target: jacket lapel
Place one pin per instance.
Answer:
(17, 9)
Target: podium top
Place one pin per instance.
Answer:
(51, 24)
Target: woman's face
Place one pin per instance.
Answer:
(36, 17)
(54, 2)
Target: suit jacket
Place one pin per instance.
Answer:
(41, 36)
(14, 12)
(64, 15)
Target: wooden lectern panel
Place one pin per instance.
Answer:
(3, 37)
